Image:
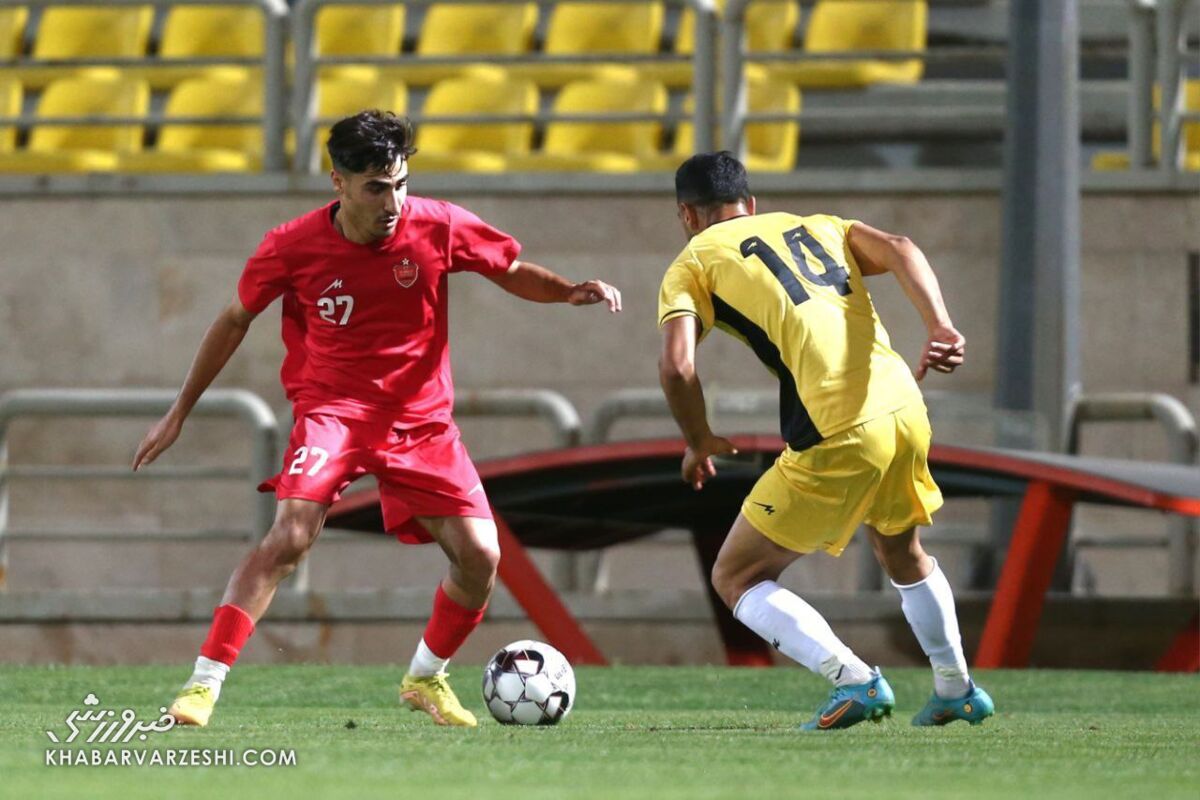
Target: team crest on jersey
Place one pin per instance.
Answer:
(406, 272)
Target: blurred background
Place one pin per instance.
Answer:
(1046, 157)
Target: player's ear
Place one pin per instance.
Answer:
(751, 204)
(690, 217)
(339, 182)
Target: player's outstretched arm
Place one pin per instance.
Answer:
(878, 252)
(685, 396)
(218, 344)
(539, 285)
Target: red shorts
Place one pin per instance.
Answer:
(422, 472)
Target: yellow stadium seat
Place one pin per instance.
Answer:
(464, 28)
(350, 90)
(770, 146)
(83, 148)
(206, 32)
(11, 98)
(476, 147)
(601, 146)
(634, 27)
(360, 30)
(191, 31)
(457, 29)
(66, 33)
(12, 32)
(1118, 160)
(842, 26)
(207, 148)
(595, 28)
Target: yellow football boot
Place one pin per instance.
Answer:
(434, 696)
(193, 706)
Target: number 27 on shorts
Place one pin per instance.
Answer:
(319, 456)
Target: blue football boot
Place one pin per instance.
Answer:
(975, 706)
(850, 705)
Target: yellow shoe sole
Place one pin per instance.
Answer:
(417, 702)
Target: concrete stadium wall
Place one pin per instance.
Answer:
(116, 292)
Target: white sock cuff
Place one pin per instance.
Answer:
(770, 586)
(936, 570)
(425, 662)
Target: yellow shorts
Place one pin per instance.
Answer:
(875, 472)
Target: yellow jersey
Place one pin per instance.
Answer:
(789, 287)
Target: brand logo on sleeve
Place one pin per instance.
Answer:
(406, 272)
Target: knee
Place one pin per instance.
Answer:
(728, 582)
(287, 544)
(479, 561)
(901, 556)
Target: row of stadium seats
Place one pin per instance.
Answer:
(459, 29)
(477, 147)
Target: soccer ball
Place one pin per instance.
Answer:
(529, 683)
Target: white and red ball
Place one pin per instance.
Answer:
(529, 683)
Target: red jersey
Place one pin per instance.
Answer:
(365, 325)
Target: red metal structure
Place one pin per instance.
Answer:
(589, 497)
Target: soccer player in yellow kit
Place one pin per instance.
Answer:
(791, 288)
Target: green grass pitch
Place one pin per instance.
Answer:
(654, 732)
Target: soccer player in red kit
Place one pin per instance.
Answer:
(367, 369)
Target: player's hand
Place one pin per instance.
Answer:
(592, 292)
(161, 436)
(944, 351)
(697, 461)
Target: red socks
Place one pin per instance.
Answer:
(450, 624)
(231, 627)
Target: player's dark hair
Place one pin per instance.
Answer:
(370, 141)
(711, 179)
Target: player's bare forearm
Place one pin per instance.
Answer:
(533, 283)
(218, 344)
(685, 396)
(919, 282)
(877, 252)
(680, 383)
(537, 284)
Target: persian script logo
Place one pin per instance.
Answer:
(112, 726)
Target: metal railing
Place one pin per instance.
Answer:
(1157, 48)
(545, 404)
(96, 403)
(308, 61)
(1183, 446)
(273, 120)
(650, 403)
